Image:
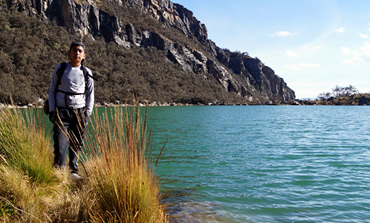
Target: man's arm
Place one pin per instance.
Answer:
(89, 94)
(52, 88)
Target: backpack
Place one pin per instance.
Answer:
(59, 74)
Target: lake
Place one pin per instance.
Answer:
(264, 163)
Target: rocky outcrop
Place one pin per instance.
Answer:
(259, 79)
(245, 76)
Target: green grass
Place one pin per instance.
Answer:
(118, 185)
(26, 173)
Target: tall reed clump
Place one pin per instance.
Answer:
(23, 144)
(25, 166)
(119, 177)
(118, 184)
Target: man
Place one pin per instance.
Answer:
(71, 101)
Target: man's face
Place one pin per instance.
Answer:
(77, 54)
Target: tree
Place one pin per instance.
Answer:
(344, 91)
(324, 96)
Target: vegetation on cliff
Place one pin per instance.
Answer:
(31, 48)
(155, 50)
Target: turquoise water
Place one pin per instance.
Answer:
(264, 163)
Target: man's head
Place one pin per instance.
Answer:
(77, 53)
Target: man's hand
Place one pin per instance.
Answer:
(86, 119)
(53, 116)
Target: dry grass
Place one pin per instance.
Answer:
(26, 174)
(118, 185)
(124, 185)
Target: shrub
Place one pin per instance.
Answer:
(120, 178)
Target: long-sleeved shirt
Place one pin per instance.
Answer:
(73, 82)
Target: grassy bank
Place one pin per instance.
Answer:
(118, 184)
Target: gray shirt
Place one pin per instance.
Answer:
(72, 81)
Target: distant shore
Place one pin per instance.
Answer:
(356, 99)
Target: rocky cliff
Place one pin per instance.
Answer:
(238, 73)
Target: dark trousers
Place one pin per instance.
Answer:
(69, 132)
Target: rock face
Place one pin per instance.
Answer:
(245, 76)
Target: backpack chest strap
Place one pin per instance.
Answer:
(70, 93)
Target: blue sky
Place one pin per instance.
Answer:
(313, 44)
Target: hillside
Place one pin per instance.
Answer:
(152, 49)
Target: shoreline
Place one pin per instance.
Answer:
(305, 103)
(353, 100)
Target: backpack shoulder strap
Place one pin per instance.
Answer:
(86, 76)
(60, 73)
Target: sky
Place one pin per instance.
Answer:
(314, 45)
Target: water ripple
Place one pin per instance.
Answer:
(265, 163)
